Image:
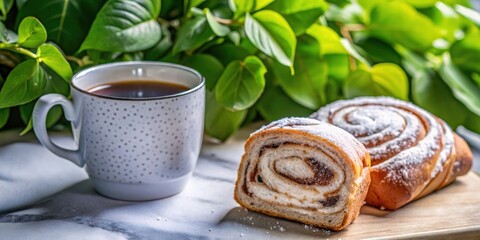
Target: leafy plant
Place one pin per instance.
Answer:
(262, 59)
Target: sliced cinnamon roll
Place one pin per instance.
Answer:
(304, 170)
(413, 152)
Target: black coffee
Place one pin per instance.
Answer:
(138, 89)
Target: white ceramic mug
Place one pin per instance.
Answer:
(134, 148)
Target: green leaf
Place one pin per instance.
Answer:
(228, 52)
(55, 83)
(67, 21)
(300, 14)
(220, 122)
(99, 57)
(171, 59)
(208, 66)
(275, 104)
(331, 43)
(5, 6)
(53, 58)
(217, 28)
(349, 14)
(421, 3)
(412, 62)
(383, 79)
(25, 83)
(220, 9)
(3, 33)
(133, 56)
(193, 34)
(399, 23)
(272, 35)
(338, 66)
(176, 9)
(329, 40)
(432, 94)
(379, 51)
(447, 20)
(161, 48)
(8, 35)
(333, 90)
(466, 3)
(469, 14)
(241, 84)
(250, 117)
(466, 52)
(20, 3)
(31, 33)
(352, 50)
(194, 3)
(340, 3)
(472, 122)
(259, 4)
(307, 86)
(125, 26)
(246, 44)
(367, 6)
(463, 88)
(235, 37)
(4, 115)
(26, 110)
(241, 7)
(476, 78)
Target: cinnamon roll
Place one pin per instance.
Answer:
(304, 170)
(413, 153)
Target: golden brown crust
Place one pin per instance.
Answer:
(464, 157)
(413, 152)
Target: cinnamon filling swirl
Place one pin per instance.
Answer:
(292, 171)
(322, 175)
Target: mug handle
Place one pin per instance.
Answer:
(40, 111)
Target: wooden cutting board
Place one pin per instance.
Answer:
(451, 213)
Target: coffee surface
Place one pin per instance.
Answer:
(137, 89)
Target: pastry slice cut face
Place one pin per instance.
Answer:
(304, 170)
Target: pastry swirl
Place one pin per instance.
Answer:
(413, 152)
(304, 170)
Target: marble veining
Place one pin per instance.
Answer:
(204, 210)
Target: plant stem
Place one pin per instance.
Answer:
(354, 27)
(225, 21)
(15, 48)
(78, 61)
(8, 59)
(346, 34)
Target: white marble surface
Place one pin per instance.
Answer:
(204, 210)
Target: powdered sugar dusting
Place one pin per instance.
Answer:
(339, 137)
(401, 138)
(409, 161)
(385, 130)
(448, 142)
(288, 122)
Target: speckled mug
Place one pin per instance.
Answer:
(134, 148)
